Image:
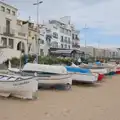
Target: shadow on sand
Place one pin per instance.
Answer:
(93, 85)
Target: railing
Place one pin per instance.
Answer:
(75, 46)
(76, 38)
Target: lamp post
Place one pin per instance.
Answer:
(37, 46)
(85, 28)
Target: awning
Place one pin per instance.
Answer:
(66, 51)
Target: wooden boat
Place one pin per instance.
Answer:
(18, 86)
(49, 75)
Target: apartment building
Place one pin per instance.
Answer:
(10, 35)
(63, 34)
(23, 35)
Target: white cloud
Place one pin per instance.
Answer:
(103, 14)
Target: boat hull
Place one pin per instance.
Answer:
(84, 78)
(101, 71)
(100, 77)
(54, 80)
(19, 88)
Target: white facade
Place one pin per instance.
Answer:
(62, 34)
(54, 34)
(8, 28)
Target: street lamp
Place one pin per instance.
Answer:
(37, 4)
(85, 28)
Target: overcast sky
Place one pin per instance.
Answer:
(101, 16)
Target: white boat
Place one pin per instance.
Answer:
(79, 75)
(96, 69)
(101, 70)
(85, 78)
(18, 86)
(47, 74)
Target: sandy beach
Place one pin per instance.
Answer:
(100, 102)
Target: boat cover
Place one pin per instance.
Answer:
(44, 68)
(75, 69)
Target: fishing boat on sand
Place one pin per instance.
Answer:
(95, 69)
(82, 75)
(18, 86)
(47, 75)
(100, 75)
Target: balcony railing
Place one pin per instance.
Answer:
(75, 46)
(76, 38)
(8, 31)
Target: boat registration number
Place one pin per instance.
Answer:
(22, 83)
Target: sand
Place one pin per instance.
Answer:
(99, 102)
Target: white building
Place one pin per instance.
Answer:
(60, 34)
(17, 35)
(9, 31)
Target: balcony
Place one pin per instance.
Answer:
(75, 37)
(8, 32)
(75, 45)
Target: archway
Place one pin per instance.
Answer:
(21, 46)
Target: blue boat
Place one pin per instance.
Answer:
(82, 75)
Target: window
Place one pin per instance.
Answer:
(13, 13)
(35, 37)
(68, 46)
(73, 36)
(69, 40)
(41, 41)
(62, 30)
(7, 26)
(55, 27)
(29, 34)
(2, 8)
(76, 37)
(61, 45)
(61, 38)
(21, 34)
(11, 43)
(41, 52)
(4, 41)
(65, 46)
(55, 35)
(8, 11)
(54, 45)
(69, 32)
(65, 31)
(65, 40)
